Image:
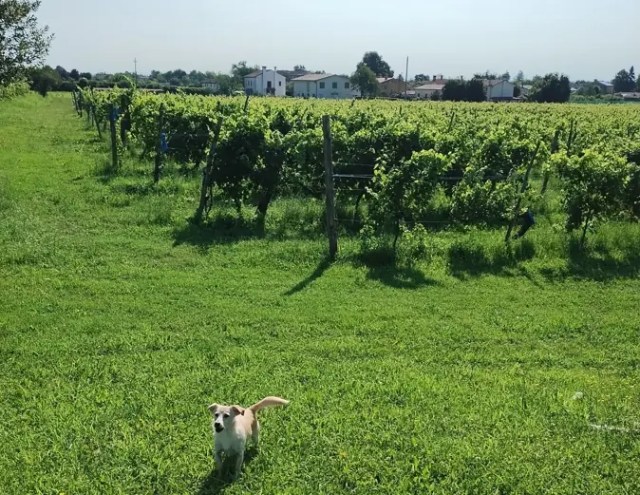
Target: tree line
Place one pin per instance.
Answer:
(23, 45)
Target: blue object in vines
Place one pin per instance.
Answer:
(164, 145)
(528, 221)
(113, 115)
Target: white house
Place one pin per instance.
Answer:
(498, 89)
(324, 86)
(265, 82)
(211, 85)
(429, 88)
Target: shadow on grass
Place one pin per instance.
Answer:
(596, 263)
(322, 267)
(214, 484)
(399, 277)
(221, 229)
(383, 266)
(470, 259)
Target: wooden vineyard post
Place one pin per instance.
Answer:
(95, 120)
(207, 176)
(525, 183)
(554, 149)
(160, 147)
(332, 230)
(114, 136)
(246, 104)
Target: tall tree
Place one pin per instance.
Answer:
(475, 91)
(241, 69)
(62, 72)
(486, 75)
(552, 88)
(379, 67)
(624, 81)
(22, 42)
(44, 79)
(365, 80)
(454, 90)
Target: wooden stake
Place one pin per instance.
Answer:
(332, 231)
(157, 169)
(525, 183)
(114, 136)
(207, 175)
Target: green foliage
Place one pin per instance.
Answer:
(401, 192)
(275, 148)
(454, 90)
(379, 67)
(593, 186)
(477, 201)
(13, 90)
(459, 90)
(22, 42)
(365, 80)
(44, 80)
(475, 90)
(625, 81)
(552, 88)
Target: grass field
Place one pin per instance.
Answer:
(467, 372)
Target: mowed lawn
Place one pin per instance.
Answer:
(119, 325)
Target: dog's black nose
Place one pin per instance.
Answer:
(219, 428)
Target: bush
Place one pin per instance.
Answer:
(13, 90)
(593, 187)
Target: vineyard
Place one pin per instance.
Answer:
(395, 165)
(462, 364)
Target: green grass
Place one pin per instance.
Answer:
(119, 324)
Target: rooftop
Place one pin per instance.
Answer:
(313, 77)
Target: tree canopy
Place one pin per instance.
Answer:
(379, 67)
(22, 42)
(552, 88)
(625, 80)
(460, 90)
(365, 79)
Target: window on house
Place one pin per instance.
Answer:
(321, 85)
(279, 83)
(334, 85)
(346, 85)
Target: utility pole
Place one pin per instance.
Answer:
(135, 70)
(406, 80)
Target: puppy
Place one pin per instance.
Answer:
(232, 427)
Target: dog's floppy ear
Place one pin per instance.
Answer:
(213, 408)
(237, 410)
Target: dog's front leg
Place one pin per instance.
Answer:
(218, 455)
(239, 461)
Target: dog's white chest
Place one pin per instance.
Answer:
(231, 440)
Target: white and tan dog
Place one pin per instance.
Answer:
(232, 426)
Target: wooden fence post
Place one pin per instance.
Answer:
(525, 183)
(95, 120)
(207, 176)
(157, 169)
(114, 136)
(554, 149)
(332, 230)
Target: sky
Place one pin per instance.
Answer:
(585, 39)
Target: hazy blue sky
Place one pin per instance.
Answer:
(582, 38)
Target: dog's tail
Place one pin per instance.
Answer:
(268, 402)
